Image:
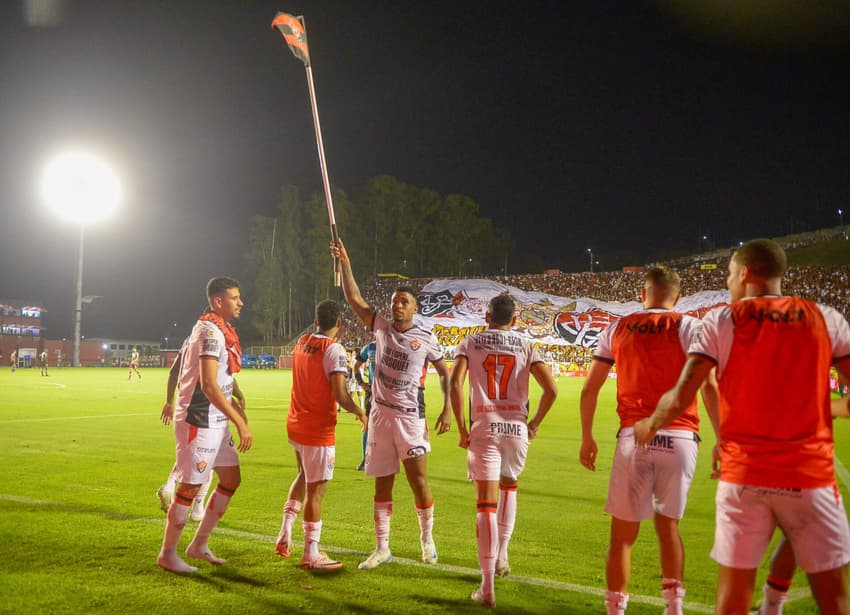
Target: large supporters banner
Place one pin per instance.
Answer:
(454, 309)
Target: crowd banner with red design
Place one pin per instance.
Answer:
(454, 309)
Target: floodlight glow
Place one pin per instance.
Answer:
(80, 187)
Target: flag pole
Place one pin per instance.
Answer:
(294, 31)
(322, 164)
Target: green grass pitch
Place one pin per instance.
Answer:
(84, 451)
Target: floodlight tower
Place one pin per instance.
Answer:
(81, 188)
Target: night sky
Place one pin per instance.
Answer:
(631, 128)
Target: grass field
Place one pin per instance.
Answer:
(80, 525)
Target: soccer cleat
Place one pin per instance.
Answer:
(429, 551)
(165, 497)
(503, 568)
(375, 559)
(484, 600)
(361, 466)
(321, 562)
(282, 547)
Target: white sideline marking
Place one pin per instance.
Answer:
(74, 418)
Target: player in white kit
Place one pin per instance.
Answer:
(201, 424)
(499, 362)
(398, 432)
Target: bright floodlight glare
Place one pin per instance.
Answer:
(80, 187)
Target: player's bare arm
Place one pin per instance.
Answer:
(364, 311)
(239, 400)
(343, 398)
(210, 388)
(358, 375)
(456, 382)
(543, 375)
(596, 378)
(711, 402)
(444, 421)
(167, 413)
(674, 401)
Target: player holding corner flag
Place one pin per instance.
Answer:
(398, 431)
(498, 362)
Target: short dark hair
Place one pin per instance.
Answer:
(763, 257)
(216, 286)
(664, 278)
(327, 314)
(407, 289)
(501, 309)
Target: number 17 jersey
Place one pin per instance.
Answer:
(499, 364)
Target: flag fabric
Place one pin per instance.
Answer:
(293, 32)
(454, 309)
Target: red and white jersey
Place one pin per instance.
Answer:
(649, 348)
(401, 360)
(773, 356)
(313, 408)
(206, 340)
(499, 364)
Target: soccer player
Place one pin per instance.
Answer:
(42, 361)
(365, 356)
(398, 431)
(319, 370)
(351, 382)
(134, 364)
(498, 362)
(165, 493)
(201, 424)
(649, 349)
(777, 464)
(13, 360)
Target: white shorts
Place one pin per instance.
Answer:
(813, 520)
(497, 449)
(652, 479)
(352, 385)
(394, 437)
(316, 461)
(200, 449)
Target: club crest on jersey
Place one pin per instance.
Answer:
(415, 345)
(201, 466)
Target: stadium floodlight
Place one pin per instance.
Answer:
(82, 188)
(590, 255)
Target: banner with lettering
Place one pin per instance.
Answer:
(454, 309)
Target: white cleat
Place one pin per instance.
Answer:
(321, 562)
(484, 600)
(173, 563)
(375, 559)
(197, 513)
(503, 568)
(203, 552)
(165, 497)
(429, 551)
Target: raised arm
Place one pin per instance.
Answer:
(596, 377)
(364, 311)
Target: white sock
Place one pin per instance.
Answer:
(616, 602)
(214, 511)
(175, 521)
(426, 522)
(773, 600)
(486, 532)
(672, 591)
(312, 535)
(506, 514)
(290, 514)
(202, 492)
(383, 513)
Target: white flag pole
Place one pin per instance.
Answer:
(322, 164)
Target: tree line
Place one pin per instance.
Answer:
(389, 227)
